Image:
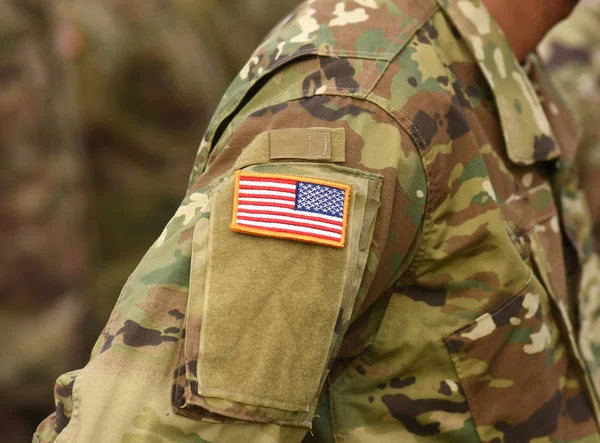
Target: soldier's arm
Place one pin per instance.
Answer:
(246, 307)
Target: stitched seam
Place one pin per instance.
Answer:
(308, 90)
(232, 396)
(378, 59)
(310, 146)
(413, 126)
(177, 389)
(254, 419)
(347, 54)
(306, 93)
(413, 30)
(428, 223)
(386, 55)
(430, 192)
(270, 145)
(248, 417)
(467, 391)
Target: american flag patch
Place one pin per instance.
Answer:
(294, 208)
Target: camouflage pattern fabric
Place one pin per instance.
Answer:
(572, 53)
(43, 258)
(463, 306)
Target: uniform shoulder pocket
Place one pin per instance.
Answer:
(275, 273)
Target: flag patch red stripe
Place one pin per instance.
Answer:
(276, 205)
(323, 237)
(302, 217)
(272, 197)
(304, 225)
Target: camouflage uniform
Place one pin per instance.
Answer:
(43, 254)
(455, 301)
(149, 77)
(572, 53)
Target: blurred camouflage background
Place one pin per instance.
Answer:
(103, 104)
(572, 54)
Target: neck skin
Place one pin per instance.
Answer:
(526, 22)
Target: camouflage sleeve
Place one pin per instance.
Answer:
(295, 223)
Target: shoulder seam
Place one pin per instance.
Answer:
(387, 55)
(408, 126)
(430, 189)
(430, 184)
(434, 9)
(369, 55)
(359, 91)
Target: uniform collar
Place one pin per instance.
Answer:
(527, 130)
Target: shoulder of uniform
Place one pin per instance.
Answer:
(364, 29)
(325, 47)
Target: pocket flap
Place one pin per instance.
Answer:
(519, 378)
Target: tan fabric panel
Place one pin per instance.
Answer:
(249, 351)
(311, 144)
